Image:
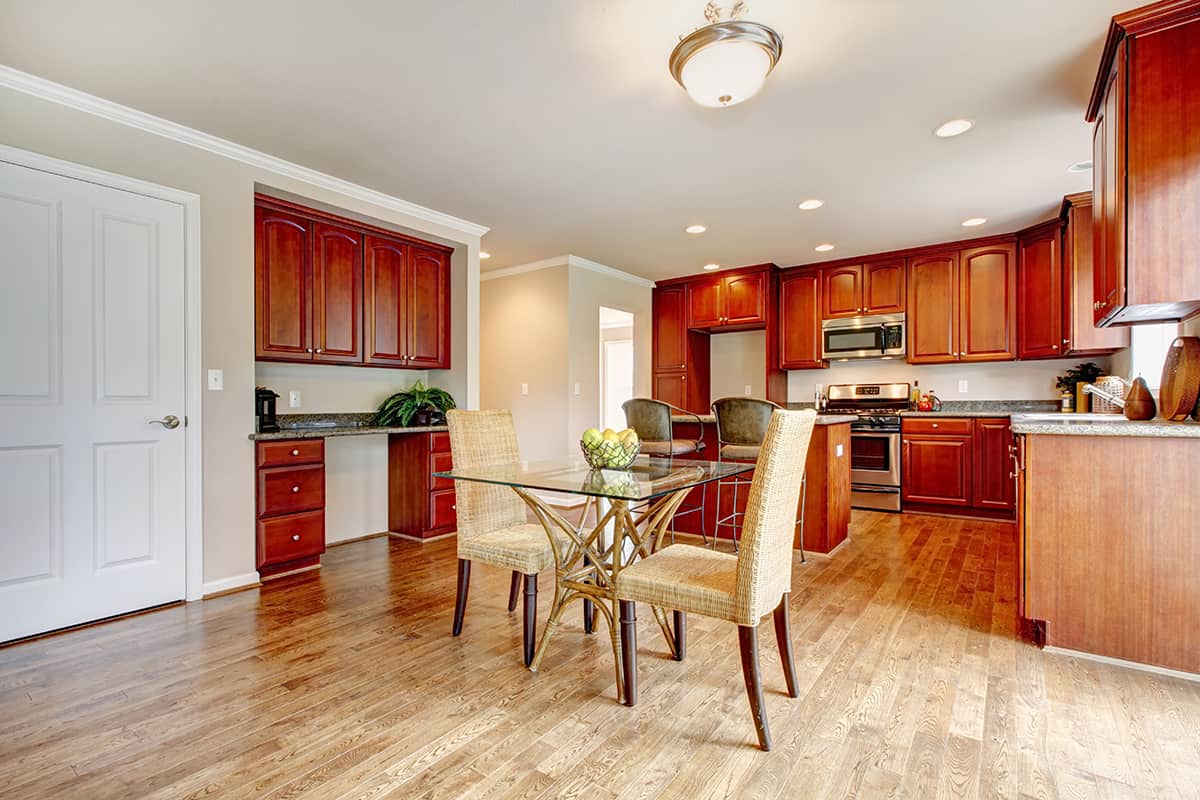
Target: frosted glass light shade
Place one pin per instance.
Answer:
(726, 73)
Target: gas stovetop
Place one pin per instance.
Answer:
(877, 405)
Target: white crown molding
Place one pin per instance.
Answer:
(81, 101)
(565, 261)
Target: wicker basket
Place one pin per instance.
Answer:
(1114, 386)
(610, 455)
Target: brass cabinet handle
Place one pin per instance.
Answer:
(295, 452)
(295, 537)
(295, 489)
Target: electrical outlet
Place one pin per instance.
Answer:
(962, 387)
(216, 380)
(525, 388)
(294, 398)
(749, 391)
(840, 451)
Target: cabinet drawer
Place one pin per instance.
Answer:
(441, 510)
(292, 451)
(949, 426)
(290, 537)
(439, 442)
(440, 462)
(285, 490)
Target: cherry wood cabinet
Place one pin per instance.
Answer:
(884, 286)
(337, 291)
(851, 290)
(670, 329)
(937, 469)
(290, 526)
(932, 319)
(705, 309)
(1039, 292)
(800, 341)
(419, 505)
(1146, 176)
(988, 303)
(958, 463)
(1081, 337)
(733, 301)
(993, 482)
(841, 291)
(678, 352)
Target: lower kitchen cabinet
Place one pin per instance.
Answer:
(290, 477)
(957, 465)
(420, 506)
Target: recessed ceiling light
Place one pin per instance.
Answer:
(824, 248)
(711, 267)
(484, 255)
(696, 228)
(954, 127)
(809, 205)
(1080, 166)
(973, 222)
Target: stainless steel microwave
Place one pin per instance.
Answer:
(879, 336)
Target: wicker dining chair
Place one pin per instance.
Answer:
(740, 588)
(492, 525)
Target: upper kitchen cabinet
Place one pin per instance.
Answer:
(988, 303)
(670, 329)
(705, 309)
(932, 320)
(1146, 176)
(1080, 335)
(858, 289)
(800, 320)
(1039, 292)
(333, 290)
(737, 301)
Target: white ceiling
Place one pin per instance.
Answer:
(556, 123)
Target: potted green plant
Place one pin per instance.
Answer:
(420, 405)
(1086, 372)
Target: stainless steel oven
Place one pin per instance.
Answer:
(875, 472)
(878, 336)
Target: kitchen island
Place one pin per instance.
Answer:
(1109, 536)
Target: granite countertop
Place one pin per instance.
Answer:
(321, 426)
(987, 408)
(709, 419)
(1103, 425)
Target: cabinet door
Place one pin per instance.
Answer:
(384, 270)
(937, 470)
(883, 287)
(336, 294)
(705, 306)
(1039, 295)
(842, 292)
(428, 299)
(932, 323)
(800, 321)
(671, 387)
(670, 329)
(282, 286)
(1081, 336)
(993, 463)
(988, 303)
(745, 299)
(1108, 168)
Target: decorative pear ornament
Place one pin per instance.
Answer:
(1139, 402)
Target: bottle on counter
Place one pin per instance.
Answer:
(935, 402)
(1067, 402)
(914, 396)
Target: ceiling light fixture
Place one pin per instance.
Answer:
(954, 127)
(726, 61)
(696, 228)
(974, 222)
(484, 255)
(711, 267)
(824, 248)
(809, 205)
(1080, 166)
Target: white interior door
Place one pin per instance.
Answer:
(617, 366)
(91, 353)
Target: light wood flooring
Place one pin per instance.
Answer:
(346, 683)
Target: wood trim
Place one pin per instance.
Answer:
(315, 214)
(725, 273)
(232, 590)
(341, 542)
(909, 252)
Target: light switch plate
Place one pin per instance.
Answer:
(749, 390)
(216, 380)
(524, 388)
(840, 450)
(578, 390)
(962, 387)
(294, 398)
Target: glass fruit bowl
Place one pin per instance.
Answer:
(609, 454)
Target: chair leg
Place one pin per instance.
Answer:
(528, 640)
(748, 639)
(589, 616)
(803, 506)
(628, 616)
(514, 589)
(680, 620)
(783, 637)
(460, 599)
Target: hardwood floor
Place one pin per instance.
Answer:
(347, 683)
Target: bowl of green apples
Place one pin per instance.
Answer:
(609, 449)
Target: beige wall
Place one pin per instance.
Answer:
(523, 339)
(226, 188)
(738, 360)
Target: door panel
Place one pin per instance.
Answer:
(841, 292)
(93, 495)
(933, 309)
(745, 298)
(671, 387)
(800, 321)
(428, 288)
(1040, 291)
(337, 294)
(884, 287)
(705, 308)
(993, 463)
(988, 303)
(1112, 278)
(384, 271)
(670, 329)
(282, 286)
(937, 469)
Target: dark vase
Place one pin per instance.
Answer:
(422, 418)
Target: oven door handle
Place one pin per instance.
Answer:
(865, 435)
(858, 487)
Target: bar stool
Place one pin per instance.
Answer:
(651, 419)
(741, 429)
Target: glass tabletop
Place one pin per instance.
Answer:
(646, 479)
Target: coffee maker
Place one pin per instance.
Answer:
(264, 409)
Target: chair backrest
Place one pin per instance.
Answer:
(764, 570)
(742, 420)
(650, 418)
(480, 439)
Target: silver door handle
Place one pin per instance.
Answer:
(170, 422)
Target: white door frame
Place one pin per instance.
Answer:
(193, 385)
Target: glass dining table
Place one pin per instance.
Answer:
(630, 511)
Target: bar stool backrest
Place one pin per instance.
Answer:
(743, 420)
(650, 418)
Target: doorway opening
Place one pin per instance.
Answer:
(616, 365)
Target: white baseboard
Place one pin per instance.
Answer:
(230, 584)
(1120, 662)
